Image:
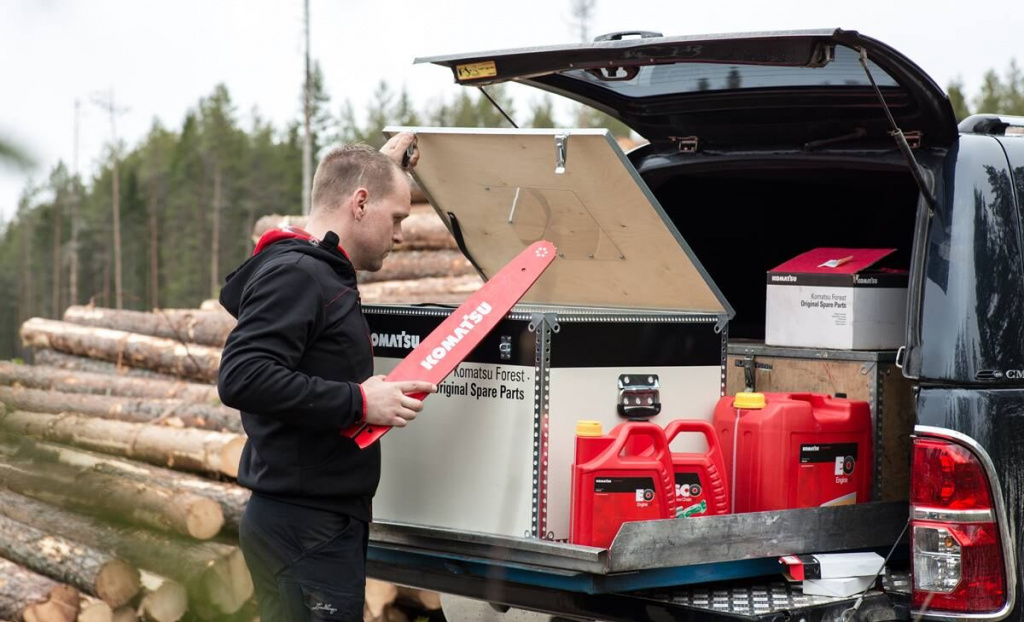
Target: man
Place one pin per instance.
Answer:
(299, 367)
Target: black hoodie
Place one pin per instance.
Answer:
(293, 366)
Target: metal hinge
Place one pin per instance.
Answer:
(639, 395)
(913, 138)
(687, 144)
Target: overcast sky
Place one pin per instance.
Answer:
(161, 56)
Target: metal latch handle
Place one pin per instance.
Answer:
(639, 396)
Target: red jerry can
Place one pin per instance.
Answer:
(702, 488)
(611, 485)
(795, 450)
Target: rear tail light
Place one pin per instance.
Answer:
(958, 561)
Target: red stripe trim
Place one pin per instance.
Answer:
(363, 393)
(287, 233)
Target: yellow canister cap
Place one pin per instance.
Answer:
(588, 428)
(749, 401)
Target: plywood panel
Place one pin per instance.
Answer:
(882, 385)
(616, 249)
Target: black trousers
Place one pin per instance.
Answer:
(306, 564)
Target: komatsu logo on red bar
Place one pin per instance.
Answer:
(469, 322)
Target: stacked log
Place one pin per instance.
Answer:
(152, 410)
(451, 291)
(414, 265)
(109, 578)
(92, 492)
(93, 383)
(231, 497)
(26, 595)
(187, 449)
(212, 573)
(208, 328)
(166, 356)
(71, 362)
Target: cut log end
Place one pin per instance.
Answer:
(61, 607)
(231, 455)
(203, 518)
(96, 611)
(168, 603)
(117, 583)
(125, 614)
(229, 584)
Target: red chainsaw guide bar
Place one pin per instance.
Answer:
(447, 345)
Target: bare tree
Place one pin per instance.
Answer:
(108, 105)
(75, 219)
(307, 139)
(582, 15)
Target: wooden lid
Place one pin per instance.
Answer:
(617, 248)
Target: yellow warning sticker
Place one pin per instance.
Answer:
(475, 71)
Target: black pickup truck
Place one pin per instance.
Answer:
(758, 145)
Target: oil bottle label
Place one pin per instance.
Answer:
(641, 487)
(689, 490)
(693, 510)
(842, 455)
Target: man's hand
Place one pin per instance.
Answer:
(388, 404)
(396, 147)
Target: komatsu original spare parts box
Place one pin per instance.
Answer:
(625, 311)
(837, 298)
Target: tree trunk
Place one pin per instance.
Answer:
(113, 580)
(215, 238)
(186, 449)
(147, 504)
(208, 328)
(25, 595)
(139, 410)
(164, 600)
(212, 573)
(162, 355)
(231, 497)
(73, 246)
(411, 265)
(68, 381)
(71, 362)
(118, 282)
(452, 290)
(57, 268)
(154, 255)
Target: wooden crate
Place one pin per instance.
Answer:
(871, 376)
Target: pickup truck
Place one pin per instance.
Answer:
(761, 146)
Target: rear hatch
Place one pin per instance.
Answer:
(731, 91)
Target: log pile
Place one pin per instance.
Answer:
(117, 460)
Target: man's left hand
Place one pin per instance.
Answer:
(396, 147)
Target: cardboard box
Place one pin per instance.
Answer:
(837, 298)
(846, 586)
(831, 566)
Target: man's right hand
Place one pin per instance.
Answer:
(388, 404)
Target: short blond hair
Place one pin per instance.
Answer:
(345, 169)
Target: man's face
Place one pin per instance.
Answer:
(380, 228)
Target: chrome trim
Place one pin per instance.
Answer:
(1001, 520)
(953, 516)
